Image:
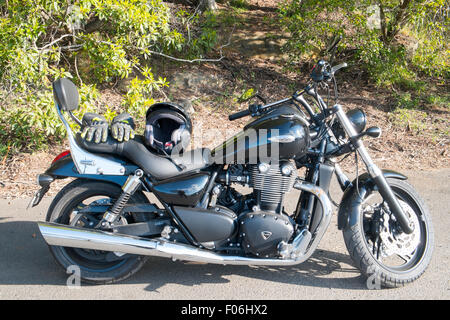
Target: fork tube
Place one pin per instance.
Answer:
(305, 206)
(376, 174)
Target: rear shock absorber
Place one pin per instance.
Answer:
(128, 189)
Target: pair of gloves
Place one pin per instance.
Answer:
(95, 127)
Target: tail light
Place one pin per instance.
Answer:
(61, 155)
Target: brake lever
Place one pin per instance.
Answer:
(339, 66)
(261, 98)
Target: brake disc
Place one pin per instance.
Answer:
(400, 243)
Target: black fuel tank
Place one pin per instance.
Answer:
(279, 134)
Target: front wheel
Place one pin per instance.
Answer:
(381, 251)
(99, 267)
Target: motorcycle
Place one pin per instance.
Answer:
(104, 223)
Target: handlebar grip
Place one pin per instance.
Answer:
(239, 114)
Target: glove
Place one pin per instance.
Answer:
(122, 127)
(94, 126)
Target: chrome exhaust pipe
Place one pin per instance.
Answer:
(326, 217)
(69, 236)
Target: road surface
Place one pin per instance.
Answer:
(28, 270)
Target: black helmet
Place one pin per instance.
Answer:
(168, 128)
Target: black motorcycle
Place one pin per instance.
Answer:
(104, 223)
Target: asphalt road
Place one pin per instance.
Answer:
(28, 271)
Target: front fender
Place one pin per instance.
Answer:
(351, 201)
(65, 168)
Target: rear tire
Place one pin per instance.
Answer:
(371, 264)
(92, 271)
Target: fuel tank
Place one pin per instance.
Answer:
(281, 133)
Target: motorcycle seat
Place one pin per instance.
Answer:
(158, 166)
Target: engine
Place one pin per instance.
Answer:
(261, 232)
(262, 223)
(270, 182)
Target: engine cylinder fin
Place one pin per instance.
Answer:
(271, 185)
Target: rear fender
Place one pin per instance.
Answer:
(351, 201)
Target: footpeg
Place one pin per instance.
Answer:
(297, 248)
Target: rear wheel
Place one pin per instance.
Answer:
(379, 248)
(95, 266)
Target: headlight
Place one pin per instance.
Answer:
(358, 118)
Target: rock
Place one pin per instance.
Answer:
(186, 104)
(123, 84)
(188, 83)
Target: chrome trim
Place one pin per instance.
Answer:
(86, 162)
(284, 138)
(346, 124)
(372, 168)
(324, 222)
(339, 66)
(300, 244)
(68, 236)
(275, 103)
(133, 182)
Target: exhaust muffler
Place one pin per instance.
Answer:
(68, 236)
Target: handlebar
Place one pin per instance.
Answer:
(256, 109)
(322, 71)
(253, 110)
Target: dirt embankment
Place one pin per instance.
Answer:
(253, 61)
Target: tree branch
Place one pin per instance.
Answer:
(382, 22)
(193, 60)
(55, 41)
(394, 25)
(184, 60)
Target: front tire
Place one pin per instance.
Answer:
(379, 254)
(94, 267)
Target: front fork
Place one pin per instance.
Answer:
(373, 170)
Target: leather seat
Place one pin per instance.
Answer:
(157, 166)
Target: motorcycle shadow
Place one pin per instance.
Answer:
(26, 260)
(24, 256)
(325, 269)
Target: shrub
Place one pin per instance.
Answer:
(372, 30)
(90, 41)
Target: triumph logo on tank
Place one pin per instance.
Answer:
(266, 234)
